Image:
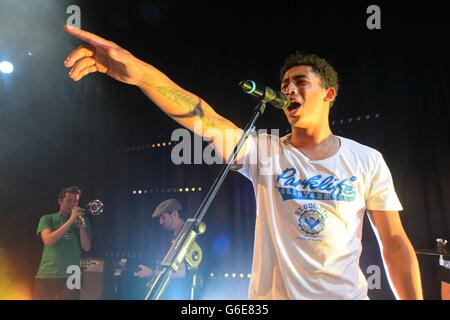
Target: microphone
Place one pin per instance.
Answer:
(265, 94)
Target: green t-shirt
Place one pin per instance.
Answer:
(65, 252)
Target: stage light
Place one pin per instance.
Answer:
(140, 191)
(234, 275)
(134, 191)
(6, 67)
(187, 189)
(241, 275)
(211, 275)
(164, 144)
(192, 189)
(180, 190)
(226, 275)
(248, 275)
(199, 189)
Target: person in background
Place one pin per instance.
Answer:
(63, 235)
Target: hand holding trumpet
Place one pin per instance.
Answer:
(95, 207)
(76, 217)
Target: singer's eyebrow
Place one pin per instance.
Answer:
(296, 77)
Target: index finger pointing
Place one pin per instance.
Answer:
(86, 36)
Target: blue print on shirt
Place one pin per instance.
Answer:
(317, 187)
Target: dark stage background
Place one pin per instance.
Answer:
(103, 135)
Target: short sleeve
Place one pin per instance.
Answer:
(382, 195)
(44, 223)
(247, 166)
(262, 153)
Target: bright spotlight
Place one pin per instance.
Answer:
(6, 67)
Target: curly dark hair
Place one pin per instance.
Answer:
(319, 65)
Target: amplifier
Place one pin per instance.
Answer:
(92, 283)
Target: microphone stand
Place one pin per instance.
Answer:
(194, 226)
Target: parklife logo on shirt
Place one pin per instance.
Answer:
(317, 187)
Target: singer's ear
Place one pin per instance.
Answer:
(330, 94)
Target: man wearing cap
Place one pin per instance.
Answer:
(169, 214)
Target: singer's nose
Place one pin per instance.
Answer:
(291, 89)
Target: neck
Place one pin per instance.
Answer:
(310, 137)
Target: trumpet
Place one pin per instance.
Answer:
(95, 208)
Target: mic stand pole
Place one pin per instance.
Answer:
(194, 226)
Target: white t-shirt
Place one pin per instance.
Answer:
(309, 217)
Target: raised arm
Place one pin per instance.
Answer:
(186, 108)
(50, 237)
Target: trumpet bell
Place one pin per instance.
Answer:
(95, 207)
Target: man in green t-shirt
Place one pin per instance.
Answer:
(62, 233)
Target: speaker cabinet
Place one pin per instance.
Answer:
(93, 279)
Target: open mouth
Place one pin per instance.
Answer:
(293, 107)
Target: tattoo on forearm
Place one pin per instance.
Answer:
(193, 107)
